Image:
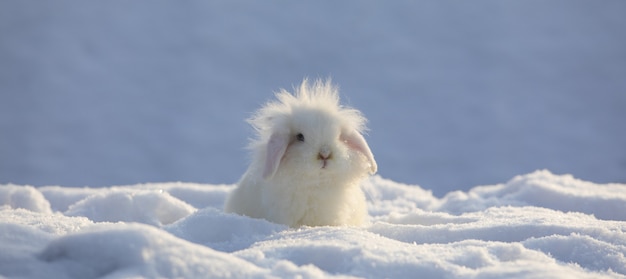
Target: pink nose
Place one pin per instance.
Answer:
(324, 155)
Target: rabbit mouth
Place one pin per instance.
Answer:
(324, 164)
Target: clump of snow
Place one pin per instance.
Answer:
(20, 245)
(359, 253)
(139, 250)
(149, 207)
(62, 197)
(501, 231)
(543, 189)
(26, 197)
(197, 195)
(221, 231)
(577, 248)
(386, 197)
(55, 223)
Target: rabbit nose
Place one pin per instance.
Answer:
(324, 154)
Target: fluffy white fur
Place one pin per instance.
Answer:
(308, 161)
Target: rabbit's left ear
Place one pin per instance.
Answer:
(354, 140)
(276, 147)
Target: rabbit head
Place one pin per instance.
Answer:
(308, 134)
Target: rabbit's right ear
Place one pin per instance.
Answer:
(357, 142)
(276, 147)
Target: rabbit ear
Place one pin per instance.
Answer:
(276, 147)
(357, 142)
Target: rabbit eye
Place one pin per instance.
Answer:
(300, 137)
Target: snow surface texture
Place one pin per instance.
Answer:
(538, 225)
(458, 94)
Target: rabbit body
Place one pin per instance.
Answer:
(308, 161)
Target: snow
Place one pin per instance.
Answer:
(537, 225)
(24, 197)
(149, 207)
(459, 97)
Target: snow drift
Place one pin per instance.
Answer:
(536, 225)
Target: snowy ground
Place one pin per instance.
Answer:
(458, 94)
(538, 225)
(100, 93)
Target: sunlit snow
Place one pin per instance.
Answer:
(535, 225)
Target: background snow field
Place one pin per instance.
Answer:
(538, 225)
(458, 94)
(101, 93)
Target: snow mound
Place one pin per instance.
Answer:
(360, 253)
(61, 198)
(138, 250)
(155, 208)
(221, 231)
(26, 197)
(54, 223)
(543, 189)
(538, 225)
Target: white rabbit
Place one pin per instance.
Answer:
(307, 163)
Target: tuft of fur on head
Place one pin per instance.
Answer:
(321, 95)
(309, 158)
